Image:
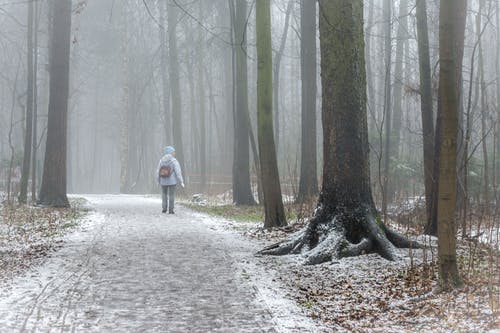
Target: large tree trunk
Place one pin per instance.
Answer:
(28, 138)
(53, 190)
(242, 190)
(426, 104)
(273, 204)
(308, 184)
(448, 112)
(175, 90)
(345, 221)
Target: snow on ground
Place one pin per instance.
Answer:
(370, 294)
(130, 268)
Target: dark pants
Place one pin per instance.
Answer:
(168, 196)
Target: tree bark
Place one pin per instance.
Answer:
(345, 222)
(242, 190)
(448, 112)
(53, 189)
(459, 13)
(28, 138)
(308, 184)
(426, 104)
(273, 204)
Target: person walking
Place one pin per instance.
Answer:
(169, 175)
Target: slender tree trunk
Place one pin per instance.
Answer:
(273, 204)
(344, 223)
(164, 72)
(125, 113)
(448, 112)
(242, 190)
(398, 90)
(53, 189)
(386, 195)
(426, 104)
(459, 14)
(175, 90)
(201, 96)
(496, 168)
(28, 138)
(34, 144)
(308, 185)
(276, 76)
(484, 110)
(11, 129)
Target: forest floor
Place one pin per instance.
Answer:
(371, 294)
(124, 266)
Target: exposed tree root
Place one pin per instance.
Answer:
(343, 234)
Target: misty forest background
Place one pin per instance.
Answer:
(145, 74)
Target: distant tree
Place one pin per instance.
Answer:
(397, 109)
(242, 191)
(35, 107)
(28, 137)
(386, 192)
(273, 204)
(53, 189)
(426, 103)
(308, 184)
(276, 74)
(345, 222)
(175, 90)
(164, 71)
(448, 112)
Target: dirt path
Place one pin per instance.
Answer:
(133, 269)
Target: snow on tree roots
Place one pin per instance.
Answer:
(342, 234)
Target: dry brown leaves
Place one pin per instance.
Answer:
(370, 294)
(28, 234)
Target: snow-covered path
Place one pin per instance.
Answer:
(133, 269)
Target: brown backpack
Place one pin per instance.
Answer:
(165, 171)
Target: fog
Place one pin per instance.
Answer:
(143, 77)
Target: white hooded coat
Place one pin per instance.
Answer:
(175, 176)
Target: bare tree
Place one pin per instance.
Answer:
(448, 112)
(426, 104)
(242, 191)
(28, 138)
(308, 185)
(273, 204)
